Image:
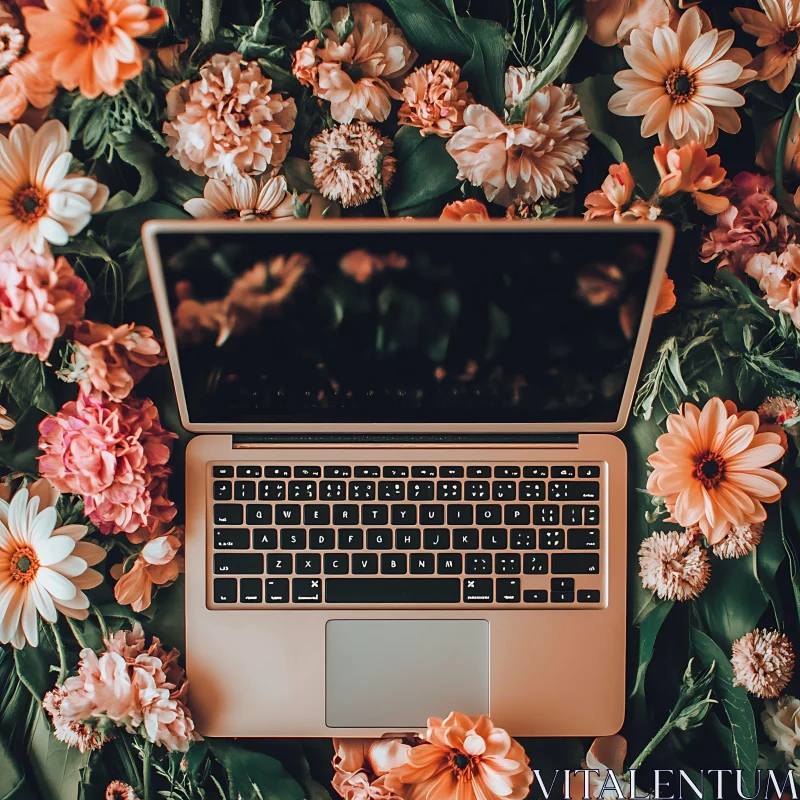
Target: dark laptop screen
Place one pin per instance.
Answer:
(501, 323)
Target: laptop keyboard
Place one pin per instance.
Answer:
(416, 535)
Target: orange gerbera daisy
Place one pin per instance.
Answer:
(89, 44)
(711, 468)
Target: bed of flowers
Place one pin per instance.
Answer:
(116, 111)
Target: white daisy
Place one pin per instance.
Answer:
(243, 197)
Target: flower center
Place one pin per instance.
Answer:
(24, 565)
(29, 204)
(12, 41)
(680, 85)
(349, 159)
(461, 765)
(709, 469)
(92, 25)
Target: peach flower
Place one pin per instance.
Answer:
(741, 539)
(606, 755)
(464, 757)
(469, 210)
(361, 265)
(666, 299)
(523, 161)
(243, 197)
(611, 199)
(434, 99)
(517, 84)
(39, 297)
(673, 565)
(691, 169)
(89, 44)
(711, 468)
(778, 276)
(781, 721)
(769, 144)
(763, 662)
(611, 22)
(361, 766)
(227, 122)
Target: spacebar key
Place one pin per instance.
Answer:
(392, 590)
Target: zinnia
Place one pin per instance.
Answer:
(39, 297)
(39, 202)
(464, 757)
(243, 197)
(361, 766)
(691, 169)
(89, 44)
(763, 662)
(711, 468)
(525, 161)
(434, 99)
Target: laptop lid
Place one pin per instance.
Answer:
(387, 326)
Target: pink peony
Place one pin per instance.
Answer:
(115, 456)
(751, 224)
(39, 297)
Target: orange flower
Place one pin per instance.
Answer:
(612, 196)
(666, 297)
(711, 468)
(691, 169)
(361, 765)
(89, 44)
(434, 99)
(610, 22)
(466, 758)
(470, 210)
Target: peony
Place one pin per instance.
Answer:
(674, 566)
(524, 161)
(39, 297)
(227, 122)
(361, 765)
(114, 455)
(763, 662)
(782, 723)
(469, 210)
(711, 468)
(243, 197)
(89, 44)
(611, 22)
(434, 99)
(355, 75)
(777, 275)
(691, 169)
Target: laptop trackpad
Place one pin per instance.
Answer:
(396, 673)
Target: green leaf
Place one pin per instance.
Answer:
(13, 785)
(649, 627)
(737, 707)
(567, 39)
(33, 664)
(769, 556)
(254, 776)
(430, 29)
(139, 154)
(486, 66)
(425, 170)
(56, 767)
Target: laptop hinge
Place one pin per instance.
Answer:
(253, 440)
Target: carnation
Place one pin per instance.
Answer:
(763, 662)
(112, 454)
(434, 99)
(740, 540)
(674, 565)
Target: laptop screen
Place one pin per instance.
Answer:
(483, 324)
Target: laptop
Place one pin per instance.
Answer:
(406, 494)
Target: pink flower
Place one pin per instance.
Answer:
(434, 99)
(778, 276)
(360, 766)
(612, 21)
(114, 455)
(39, 297)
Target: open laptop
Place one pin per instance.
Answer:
(406, 497)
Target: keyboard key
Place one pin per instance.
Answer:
(507, 564)
(517, 515)
(562, 584)
(379, 538)
(337, 472)
(496, 539)
(458, 514)
(332, 490)
(573, 490)
(336, 563)
(589, 472)
(421, 563)
(545, 515)
(535, 595)
(314, 514)
(583, 539)
(551, 539)
(431, 515)
(448, 490)
(375, 515)
(277, 472)
(225, 588)
(258, 514)
(302, 490)
(279, 564)
(479, 472)
(247, 471)
(321, 539)
(465, 539)
(345, 515)
(250, 590)
(351, 539)
(478, 564)
(420, 490)
(395, 472)
(361, 490)
(392, 491)
(423, 472)
(392, 590)
(367, 472)
(403, 514)
(572, 515)
(476, 490)
(394, 563)
(488, 515)
(508, 590)
(231, 539)
(223, 490)
(591, 515)
(576, 563)
(288, 514)
(272, 490)
(436, 539)
(449, 563)
(228, 514)
(506, 472)
(451, 472)
(365, 564)
(535, 563)
(222, 472)
(307, 472)
(265, 539)
(588, 595)
(531, 490)
(562, 597)
(238, 564)
(524, 539)
(276, 590)
(407, 539)
(244, 490)
(478, 590)
(505, 491)
(535, 472)
(293, 539)
(562, 472)
(306, 590)
(307, 563)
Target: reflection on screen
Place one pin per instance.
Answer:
(511, 325)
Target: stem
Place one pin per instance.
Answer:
(101, 621)
(62, 654)
(780, 150)
(147, 753)
(127, 759)
(77, 634)
(654, 742)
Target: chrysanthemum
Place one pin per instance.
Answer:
(711, 468)
(352, 163)
(44, 568)
(763, 662)
(40, 202)
(739, 541)
(243, 197)
(674, 565)
(681, 84)
(434, 99)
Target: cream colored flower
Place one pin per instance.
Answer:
(778, 276)
(763, 662)
(674, 566)
(691, 169)
(781, 721)
(434, 99)
(740, 541)
(243, 197)
(6, 423)
(517, 84)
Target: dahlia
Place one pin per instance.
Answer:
(434, 99)
(113, 455)
(469, 210)
(360, 766)
(674, 566)
(778, 276)
(352, 163)
(243, 197)
(525, 161)
(781, 721)
(763, 662)
(681, 84)
(711, 468)
(739, 541)
(691, 169)
(610, 201)
(227, 122)
(39, 297)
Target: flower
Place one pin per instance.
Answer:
(243, 197)
(44, 567)
(352, 163)
(361, 265)
(666, 299)
(464, 757)
(691, 169)
(517, 83)
(610, 22)
(434, 99)
(117, 790)
(739, 541)
(227, 122)
(6, 422)
(769, 145)
(750, 225)
(710, 467)
(781, 721)
(614, 194)
(776, 28)
(114, 455)
(779, 409)
(39, 202)
(355, 74)
(681, 84)
(89, 44)
(39, 297)
(469, 210)
(111, 361)
(604, 767)
(674, 566)
(73, 732)
(763, 662)
(523, 161)
(158, 563)
(361, 765)
(777, 275)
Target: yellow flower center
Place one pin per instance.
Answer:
(709, 469)
(24, 565)
(29, 204)
(680, 85)
(461, 765)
